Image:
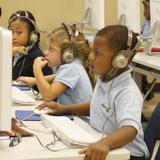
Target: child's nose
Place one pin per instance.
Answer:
(14, 35)
(45, 52)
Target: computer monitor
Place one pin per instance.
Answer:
(154, 39)
(97, 16)
(94, 18)
(154, 11)
(129, 11)
(5, 78)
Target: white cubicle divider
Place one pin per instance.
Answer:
(96, 19)
(154, 42)
(155, 11)
(5, 78)
(130, 9)
(152, 46)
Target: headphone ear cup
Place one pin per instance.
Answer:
(33, 37)
(120, 61)
(67, 56)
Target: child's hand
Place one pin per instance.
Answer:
(95, 151)
(19, 49)
(39, 62)
(30, 81)
(57, 108)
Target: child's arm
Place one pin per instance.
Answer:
(76, 109)
(50, 78)
(31, 81)
(46, 89)
(99, 150)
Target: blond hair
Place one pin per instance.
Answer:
(81, 47)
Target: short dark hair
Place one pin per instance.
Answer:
(117, 36)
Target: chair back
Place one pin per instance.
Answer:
(152, 131)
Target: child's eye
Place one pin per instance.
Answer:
(19, 32)
(97, 53)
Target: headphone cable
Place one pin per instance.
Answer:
(109, 108)
(21, 67)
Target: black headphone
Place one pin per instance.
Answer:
(34, 34)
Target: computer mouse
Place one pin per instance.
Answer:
(43, 111)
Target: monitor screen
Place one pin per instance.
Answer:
(130, 9)
(5, 78)
(155, 11)
(155, 23)
(97, 17)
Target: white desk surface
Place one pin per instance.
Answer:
(147, 60)
(30, 149)
(147, 65)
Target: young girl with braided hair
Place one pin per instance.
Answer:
(68, 51)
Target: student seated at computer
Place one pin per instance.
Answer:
(146, 32)
(25, 44)
(69, 54)
(116, 105)
(146, 26)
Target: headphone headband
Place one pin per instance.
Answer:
(25, 16)
(69, 30)
(68, 54)
(129, 40)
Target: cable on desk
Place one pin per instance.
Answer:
(14, 140)
(28, 116)
(48, 131)
(49, 145)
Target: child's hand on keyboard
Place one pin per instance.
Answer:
(29, 81)
(55, 107)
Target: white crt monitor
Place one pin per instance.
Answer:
(97, 18)
(155, 11)
(5, 78)
(155, 23)
(131, 10)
